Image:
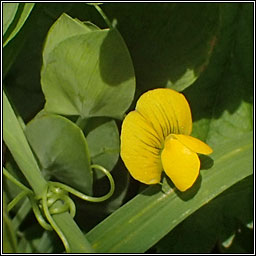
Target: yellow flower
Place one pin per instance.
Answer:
(156, 137)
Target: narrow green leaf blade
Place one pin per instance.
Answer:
(9, 11)
(214, 222)
(75, 237)
(16, 142)
(144, 220)
(27, 8)
(9, 237)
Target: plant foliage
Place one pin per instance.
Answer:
(71, 71)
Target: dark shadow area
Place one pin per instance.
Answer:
(165, 39)
(152, 189)
(191, 192)
(184, 195)
(114, 61)
(208, 100)
(223, 85)
(32, 232)
(97, 212)
(22, 59)
(95, 122)
(206, 162)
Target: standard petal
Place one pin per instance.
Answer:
(194, 144)
(180, 163)
(167, 110)
(140, 149)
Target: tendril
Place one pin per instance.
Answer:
(53, 223)
(38, 214)
(103, 15)
(85, 197)
(55, 200)
(16, 199)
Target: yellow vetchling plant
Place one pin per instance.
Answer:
(156, 137)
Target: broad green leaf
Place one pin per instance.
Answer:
(62, 29)
(103, 143)
(170, 43)
(9, 11)
(62, 150)
(89, 74)
(232, 113)
(23, 80)
(144, 220)
(24, 9)
(9, 237)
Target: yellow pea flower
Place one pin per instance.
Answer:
(156, 137)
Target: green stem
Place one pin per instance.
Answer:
(16, 200)
(103, 16)
(81, 122)
(15, 181)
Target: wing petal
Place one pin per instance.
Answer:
(194, 144)
(180, 163)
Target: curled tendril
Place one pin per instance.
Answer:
(38, 214)
(85, 197)
(55, 200)
(52, 222)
